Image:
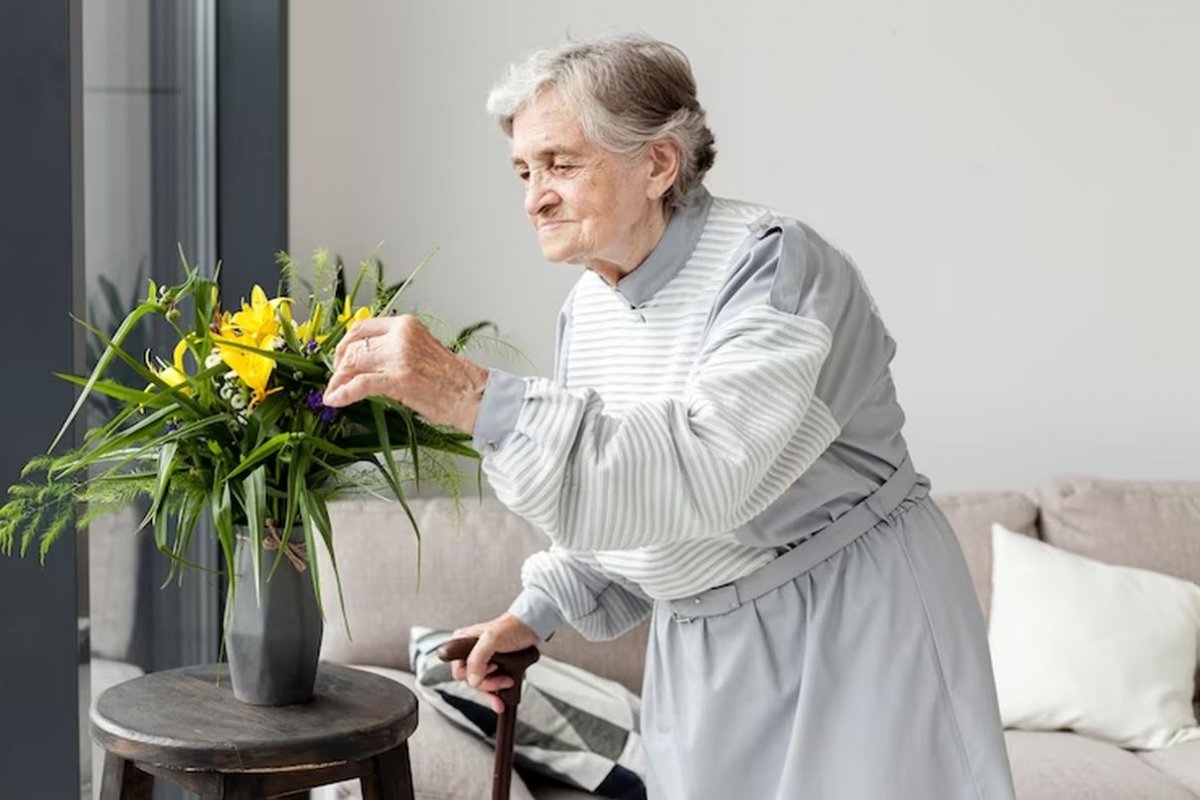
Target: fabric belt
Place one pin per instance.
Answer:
(812, 551)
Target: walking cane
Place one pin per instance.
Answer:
(514, 666)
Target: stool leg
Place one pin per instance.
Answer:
(122, 780)
(391, 778)
(238, 787)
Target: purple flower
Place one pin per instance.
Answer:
(172, 426)
(323, 412)
(311, 346)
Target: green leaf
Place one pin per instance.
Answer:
(189, 517)
(404, 285)
(310, 547)
(363, 267)
(166, 465)
(320, 514)
(145, 374)
(381, 430)
(292, 360)
(255, 498)
(73, 462)
(120, 391)
(260, 453)
(150, 449)
(297, 474)
(113, 345)
(406, 414)
(266, 414)
(161, 533)
(222, 518)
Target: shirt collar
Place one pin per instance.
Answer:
(674, 248)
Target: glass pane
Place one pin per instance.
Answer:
(148, 191)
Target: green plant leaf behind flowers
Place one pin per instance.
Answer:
(310, 547)
(317, 510)
(254, 495)
(166, 465)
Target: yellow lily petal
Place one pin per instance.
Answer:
(257, 320)
(253, 369)
(352, 319)
(172, 376)
(180, 351)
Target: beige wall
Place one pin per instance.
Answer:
(1018, 181)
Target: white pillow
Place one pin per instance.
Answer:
(1103, 650)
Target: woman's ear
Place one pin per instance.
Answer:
(663, 160)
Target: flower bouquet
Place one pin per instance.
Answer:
(234, 426)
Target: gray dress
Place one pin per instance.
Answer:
(721, 448)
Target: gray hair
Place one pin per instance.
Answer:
(628, 91)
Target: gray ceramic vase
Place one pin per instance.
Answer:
(273, 647)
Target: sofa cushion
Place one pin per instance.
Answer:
(1152, 525)
(972, 514)
(471, 557)
(1068, 766)
(447, 763)
(1181, 762)
(1104, 650)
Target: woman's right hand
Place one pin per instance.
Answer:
(505, 634)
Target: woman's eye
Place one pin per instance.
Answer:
(524, 176)
(564, 169)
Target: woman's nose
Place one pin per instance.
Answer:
(538, 196)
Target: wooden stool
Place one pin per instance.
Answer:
(181, 726)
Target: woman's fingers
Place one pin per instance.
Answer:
(458, 669)
(477, 669)
(363, 329)
(350, 390)
(477, 660)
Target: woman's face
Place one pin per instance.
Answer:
(587, 204)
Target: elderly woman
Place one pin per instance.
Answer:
(720, 448)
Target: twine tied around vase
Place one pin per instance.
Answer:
(295, 551)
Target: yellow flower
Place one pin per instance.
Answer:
(257, 320)
(251, 327)
(358, 316)
(172, 374)
(254, 369)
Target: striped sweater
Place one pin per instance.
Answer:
(727, 397)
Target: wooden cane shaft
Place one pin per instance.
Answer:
(505, 741)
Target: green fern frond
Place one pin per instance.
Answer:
(289, 274)
(119, 490)
(55, 530)
(37, 464)
(463, 338)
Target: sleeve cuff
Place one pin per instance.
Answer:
(537, 610)
(498, 410)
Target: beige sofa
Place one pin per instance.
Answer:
(471, 563)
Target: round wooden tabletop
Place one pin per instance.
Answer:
(184, 719)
